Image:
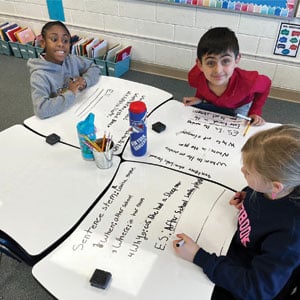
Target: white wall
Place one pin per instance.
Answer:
(166, 35)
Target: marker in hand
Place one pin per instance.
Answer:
(180, 243)
(244, 117)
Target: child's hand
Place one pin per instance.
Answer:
(237, 199)
(257, 120)
(73, 86)
(81, 82)
(77, 84)
(191, 101)
(189, 248)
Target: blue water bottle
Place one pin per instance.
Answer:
(86, 131)
(138, 134)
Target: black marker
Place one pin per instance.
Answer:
(180, 243)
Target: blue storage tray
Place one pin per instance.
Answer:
(15, 49)
(102, 65)
(6, 49)
(119, 68)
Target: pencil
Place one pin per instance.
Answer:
(92, 143)
(109, 142)
(89, 145)
(247, 128)
(103, 142)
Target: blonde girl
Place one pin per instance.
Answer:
(263, 260)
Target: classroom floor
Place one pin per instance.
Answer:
(16, 281)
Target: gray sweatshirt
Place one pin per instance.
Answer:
(49, 82)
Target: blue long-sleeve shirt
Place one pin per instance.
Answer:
(264, 251)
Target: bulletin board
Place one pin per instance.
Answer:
(271, 8)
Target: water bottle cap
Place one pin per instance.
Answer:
(87, 125)
(137, 107)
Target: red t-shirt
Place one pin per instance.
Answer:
(244, 87)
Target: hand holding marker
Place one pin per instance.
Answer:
(180, 243)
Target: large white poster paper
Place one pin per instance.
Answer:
(109, 100)
(130, 232)
(45, 189)
(198, 142)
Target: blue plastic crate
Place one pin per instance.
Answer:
(102, 65)
(15, 49)
(31, 51)
(6, 49)
(38, 51)
(24, 50)
(117, 69)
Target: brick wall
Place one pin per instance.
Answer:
(166, 35)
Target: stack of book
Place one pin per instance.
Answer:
(113, 59)
(99, 48)
(117, 59)
(89, 47)
(15, 39)
(15, 33)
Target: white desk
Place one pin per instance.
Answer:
(198, 142)
(109, 101)
(130, 232)
(45, 189)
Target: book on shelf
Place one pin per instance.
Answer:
(37, 40)
(123, 53)
(26, 35)
(11, 33)
(5, 28)
(75, 49)
(99, 49)
(3, 25)
(111, 52)
(90, 45)
(83, 46)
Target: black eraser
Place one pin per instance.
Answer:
(100, 279)
(158, 127)
(52, 139)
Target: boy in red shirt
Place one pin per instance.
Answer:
(221, 85)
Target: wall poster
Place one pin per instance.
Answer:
(56, 10)
(271, 8)
(288, 40)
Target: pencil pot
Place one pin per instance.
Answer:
(104, 157)
(86, 133)
(138, 134)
